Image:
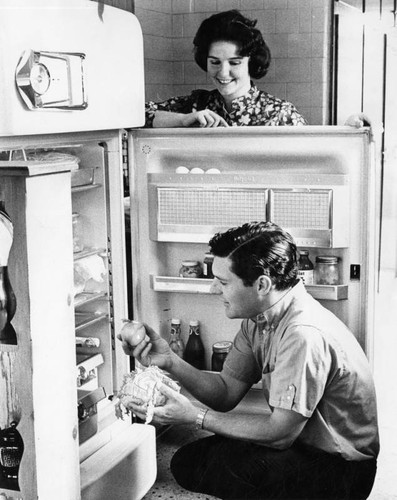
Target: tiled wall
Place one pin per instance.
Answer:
(297, 32)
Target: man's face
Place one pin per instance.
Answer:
(240, 301)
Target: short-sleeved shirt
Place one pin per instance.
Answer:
(254, 108)
(311, 363)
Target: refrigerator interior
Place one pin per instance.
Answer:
(289, 175)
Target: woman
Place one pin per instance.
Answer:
(232, 51)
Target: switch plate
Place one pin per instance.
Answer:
(355, 271)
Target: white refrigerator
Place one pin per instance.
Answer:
(69, 131)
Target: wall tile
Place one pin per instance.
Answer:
(158, 92)
(299, 4)
(300, 45)
(319, 69)
(275, 4)
(293, 70)
(299, 94)
(319, 116)
(318, 45)
(182, 49)
(278, 44)
(317, 94)
(158, 72)
(318, 20)
(276, 89)
(252, 4)
(182, 6)
(178, 72)
(157, 47)
(305, 20)
(208, 6)
(194, 74)
(191, 23)
(287, 21)
(227, 5)
(179, 90)
(177, 25)
(159, 6)
(266, 20)
(153, 23)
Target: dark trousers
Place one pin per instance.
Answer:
(232, 469)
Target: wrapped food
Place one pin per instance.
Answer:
(142, 387)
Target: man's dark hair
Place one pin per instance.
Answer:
(232, 26)
(256, 249)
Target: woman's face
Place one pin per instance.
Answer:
(228, 70)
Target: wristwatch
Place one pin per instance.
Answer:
(200, 418)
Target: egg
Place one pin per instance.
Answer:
(197, 170)
(213, 171)
(181, 170)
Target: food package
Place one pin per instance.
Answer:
(142, 387)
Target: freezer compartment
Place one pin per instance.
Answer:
(124, 468)
(192, 207)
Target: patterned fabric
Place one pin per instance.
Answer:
(254, 108)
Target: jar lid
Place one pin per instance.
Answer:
(189, 263)
(223, 346)
(327, 259)
(303, 252)
(209, 254)
(75, 215)
(175, 321)
(193, 322)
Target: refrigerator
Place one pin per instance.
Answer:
(69, 134)
(71, 81)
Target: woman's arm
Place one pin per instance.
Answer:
(204, 118)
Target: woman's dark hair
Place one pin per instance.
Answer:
(232, 26)
(256, 249)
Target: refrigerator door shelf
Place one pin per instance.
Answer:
(203, 286)
(124, 468)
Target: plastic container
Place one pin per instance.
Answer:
(326, 271)
(306, 273)
(191, 269)
(219, 352)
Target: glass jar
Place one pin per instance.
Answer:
(219, 352)
(306, 267)
(326, 271)
(77, 233)
(191, 269)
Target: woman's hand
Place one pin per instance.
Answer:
(358, 120)
(177, 409)
(204, 118)
(152, 350)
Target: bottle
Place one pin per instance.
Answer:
(176, 343)
(327, 270)
(305, 272)
(219, 352)
(77, 233)
(207, 265)
(194, 352)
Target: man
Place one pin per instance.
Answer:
(317, 437)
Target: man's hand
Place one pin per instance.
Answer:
(177, 409)
(152, 350)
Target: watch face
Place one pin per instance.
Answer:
(39, 78)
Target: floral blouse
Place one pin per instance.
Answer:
(254, 108)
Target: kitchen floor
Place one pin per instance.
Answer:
(168, 441)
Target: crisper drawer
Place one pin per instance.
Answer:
(191, 208)
(125, 468)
